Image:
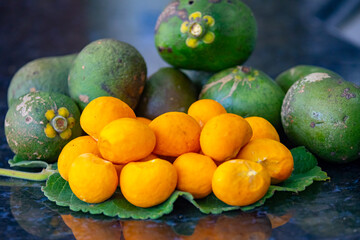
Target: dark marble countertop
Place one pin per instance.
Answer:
(290, 32)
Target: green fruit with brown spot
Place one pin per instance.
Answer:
(247, 92)
(321, 112)
(288, 77)
(38, 125)
(107, 67)
(48, 74)
(205, 35)
(167, 90)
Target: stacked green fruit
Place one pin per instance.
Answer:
(47, 74)
(166, 90)
(290, 76)
(247, 92)
(107, 67)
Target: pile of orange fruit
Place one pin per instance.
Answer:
(205, 150)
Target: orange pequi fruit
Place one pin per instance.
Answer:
(149, 157)
(223, 136)
(262, 128)
(205, 109)
(240, 182)
(144, 120)
(273, 155)
(146, 184)
(125, 140)
(92, 179)
(74, 148)
(176, 133)
(195, 173)
(101, 111)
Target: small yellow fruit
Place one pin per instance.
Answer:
(92, 179)
(146, 184)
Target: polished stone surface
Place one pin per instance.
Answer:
(290, 32)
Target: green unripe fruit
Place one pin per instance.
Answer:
(246, 92)
(205, 35)
(167, 90)
(107, 67)
(288, 77)
(47, 74)
(39, 124)
(321, 112)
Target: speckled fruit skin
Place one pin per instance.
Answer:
(247, 92)
(47, 74)
(289, 76)
(234, 29)
(167, 90)
(107, 67)
(321, 111)
(25, 122)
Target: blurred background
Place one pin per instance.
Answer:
(290, 32)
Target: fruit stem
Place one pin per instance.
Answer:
(39, 176)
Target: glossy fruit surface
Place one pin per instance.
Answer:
(262, 128)
(74, 148)
(224, 135)
(100, 112)
(125, 140)
(195, 173)
(176, 133)
(205, 109)
(240, 182)
(92, 179)
(146, 184)
(273, 155)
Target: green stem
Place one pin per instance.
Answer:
(39, 176)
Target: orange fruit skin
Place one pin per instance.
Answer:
(151, 156)
(262, 128)
(92, 179)
(118, 168)
(195, 173)
(222, 136)
(240, 182)
(144, 120)
(74, 148)
(125, 140)
(273, 155)
(176, 133)
(146, 184)
(205, 109)
(100, 112)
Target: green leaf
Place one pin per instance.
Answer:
(20, 162)
(303, 160)
(58, 190)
